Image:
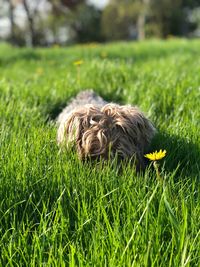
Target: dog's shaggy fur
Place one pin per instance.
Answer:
(104, 130)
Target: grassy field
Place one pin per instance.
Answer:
(56, 211)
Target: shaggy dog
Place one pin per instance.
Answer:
(97, 129)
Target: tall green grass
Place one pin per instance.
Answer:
(57, 211)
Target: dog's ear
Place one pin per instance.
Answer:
(139, 132)
(134, 129)
(76, 130)
(70, 130)
(139, 127)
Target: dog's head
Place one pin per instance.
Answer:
(107, 131)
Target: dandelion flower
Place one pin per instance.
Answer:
(78, 62)
(103, 54)
(156, 155)
(39, 71)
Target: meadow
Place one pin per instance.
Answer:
(57, 211)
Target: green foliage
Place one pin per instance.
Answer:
(161, 18)
(87, 24)
(57, 211)
(118, 18)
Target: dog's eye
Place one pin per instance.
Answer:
(94, 119)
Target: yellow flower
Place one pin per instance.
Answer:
(156, 155)
(56, 45)
(103, 54)
(39, 71)
(78, 62)
(93, 45)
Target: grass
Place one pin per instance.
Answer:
(56, 211)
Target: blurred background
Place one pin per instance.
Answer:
(61, 22)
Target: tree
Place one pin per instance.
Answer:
(86, 24)
(147, 18)
(19, 31)
(141, 19)
(12, 22)
(31, 15)
(161, 14)
(125, 19)
(81, 19)
(64, 6)
(37, 26)
(117, 20)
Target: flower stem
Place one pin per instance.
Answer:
(156, 166)
(78, 75)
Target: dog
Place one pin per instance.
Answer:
(97, 129)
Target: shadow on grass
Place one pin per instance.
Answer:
(55, 109)
(20, 56)
(116, 97)
(181, 154)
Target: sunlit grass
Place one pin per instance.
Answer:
(57, 211)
